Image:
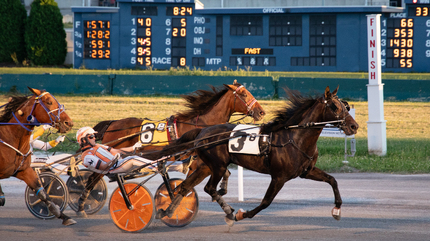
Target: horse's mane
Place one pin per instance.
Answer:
(14, 103)
(292, 114)
(200, 102)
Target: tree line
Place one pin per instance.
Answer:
(37, 39)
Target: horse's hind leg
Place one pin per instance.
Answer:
(93, 179)
(210, 188)
(193, 179)
(2, 198)
(319, 175)
(224, 183)
(204, 169)
(30, 178)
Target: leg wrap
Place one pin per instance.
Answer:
(174, 205)
(54, 209)
(41, 194)
(82, 199)
(227, 208)
(2, 200)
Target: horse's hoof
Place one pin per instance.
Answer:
(2, 201)
(68, 222)
(229, 220)
(335, 212)
(81, 214)
(239, 215)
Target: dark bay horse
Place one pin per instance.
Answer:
(17, 122)
(292, 150)
(206, 108)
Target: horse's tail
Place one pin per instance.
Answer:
(186, 141)
(101, 128)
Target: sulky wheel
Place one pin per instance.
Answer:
(142, 213)
(187, 209)
(55, 188)
(97, 198)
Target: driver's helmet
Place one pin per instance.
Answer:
(83, 132)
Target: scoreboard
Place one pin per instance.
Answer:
(161, 34)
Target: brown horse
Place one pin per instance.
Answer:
(292, 150)
(206, 108)
(17, 121)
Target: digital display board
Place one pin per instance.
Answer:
(400, 43)
(164, 34)
(144, 41)
(419, 11)
(97, 39)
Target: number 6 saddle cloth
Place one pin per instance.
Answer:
(158, 133)
(246, 139)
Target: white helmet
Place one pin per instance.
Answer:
(83, 132)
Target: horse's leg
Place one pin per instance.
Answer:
(319, 175)
(200, 172)
(224, 182)
(198, 163)
(93, 179)
(210, 189)
(2, 198)
(30, 178)
(275, 186)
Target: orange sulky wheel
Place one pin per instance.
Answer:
(140, 216)
(187, 209)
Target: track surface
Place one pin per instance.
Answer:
(376, 207)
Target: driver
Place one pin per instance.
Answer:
(98, 158)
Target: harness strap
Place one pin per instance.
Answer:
(19, 123)
(197, 119)
(19, 152)
(175, 127)
(294, 144)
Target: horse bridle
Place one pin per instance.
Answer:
(248, 104)
(318, 125)
(333, 108)
(33, 120)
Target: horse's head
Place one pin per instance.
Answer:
(245, 102)
(46, 110)
(336, 109)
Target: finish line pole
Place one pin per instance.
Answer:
(376, 126)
